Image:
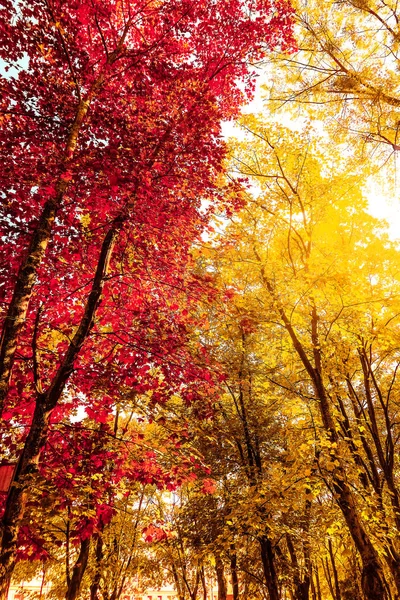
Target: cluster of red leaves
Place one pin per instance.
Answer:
(149, 149)
(30, 545)
(81, 472)
(157, 532)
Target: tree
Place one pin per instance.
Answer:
(315, 267)
(92, 499)
(111, 117)
(263, 490)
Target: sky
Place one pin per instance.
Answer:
(383, 193)
(385, 203)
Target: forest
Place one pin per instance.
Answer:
(200, 313)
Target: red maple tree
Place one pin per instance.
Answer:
(111, 146)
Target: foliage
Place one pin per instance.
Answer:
(105, 171)
(199, 359)
(344, 72)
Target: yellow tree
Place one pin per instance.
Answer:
(323, 274)
(345, 71)
(264, 486)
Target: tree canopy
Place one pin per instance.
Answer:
(200, 337)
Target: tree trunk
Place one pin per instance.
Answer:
(94, 588)
(338, 594)
(373, 580)
(221, 581)
(26, 277)
(234, 574)
(42, 582)
(301, 586)
(317, 582)
(204, 583)
(178, 586)
(193, 593)
(268, 562)
(17, 497)
(78, 571)
(327, 573)
(27, 273)
(312, 585)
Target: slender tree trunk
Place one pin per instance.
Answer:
(327, 573)
(301, 586)
(17, 497)
(193, 593)
(204, 583)
(94, 588)
(391, 555)
(373, 580)
(178, 586)
(318, 583)
(268, 562)
(42, 582)
(78, 571)
(234, 574)
(312, 584)
(338, 594)
(221, 581)
(45, 404)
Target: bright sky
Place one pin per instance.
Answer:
(384, 198)
(385, 203)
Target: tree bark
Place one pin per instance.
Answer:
(178, 586)
(204, 583)
(234, 574)
(221, 581)
(78, 571)
(312, 585)
(317, 582)
(301, 586)
(26, 277)
(327, 573)
(338, 595)
(268, 562)
(194, 592)
(94, 588)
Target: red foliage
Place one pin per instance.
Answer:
(156, 532)
(147, 152)
(111, 111)
(30, 545)
(209, 486)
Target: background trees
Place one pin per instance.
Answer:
(345, 70)
(309, 269)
